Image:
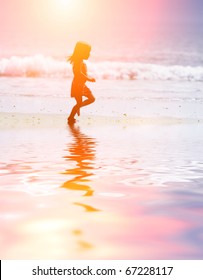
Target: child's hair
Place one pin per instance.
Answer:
(80, 51)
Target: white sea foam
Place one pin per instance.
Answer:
(41, 66)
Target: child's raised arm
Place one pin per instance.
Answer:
(78, 71)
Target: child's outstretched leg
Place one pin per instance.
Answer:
(75, 110)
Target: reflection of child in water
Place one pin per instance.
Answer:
(78, 88)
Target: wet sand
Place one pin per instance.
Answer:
(105, 188)
(37, 120)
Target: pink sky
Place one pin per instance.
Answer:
(37, 23)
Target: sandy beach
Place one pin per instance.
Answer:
(105, 188)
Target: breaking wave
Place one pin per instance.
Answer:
(42, 66)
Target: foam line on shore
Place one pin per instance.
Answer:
(20, 120)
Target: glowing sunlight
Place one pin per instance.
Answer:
(65, 6)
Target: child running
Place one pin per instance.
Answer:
(78, 87)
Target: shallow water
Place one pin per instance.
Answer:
(102, 192)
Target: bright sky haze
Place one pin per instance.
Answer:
(34, 24)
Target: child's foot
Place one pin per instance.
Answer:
(71, 120)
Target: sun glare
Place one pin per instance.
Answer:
(66, 7)
(63, 5)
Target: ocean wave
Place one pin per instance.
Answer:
(42, 66)
(33, 66)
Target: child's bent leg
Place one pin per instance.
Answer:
(90, 98)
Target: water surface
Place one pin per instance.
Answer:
(84, 192)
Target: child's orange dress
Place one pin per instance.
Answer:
(78, 87)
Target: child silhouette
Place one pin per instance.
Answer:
(78, 87)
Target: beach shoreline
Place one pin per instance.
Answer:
(37, 120)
